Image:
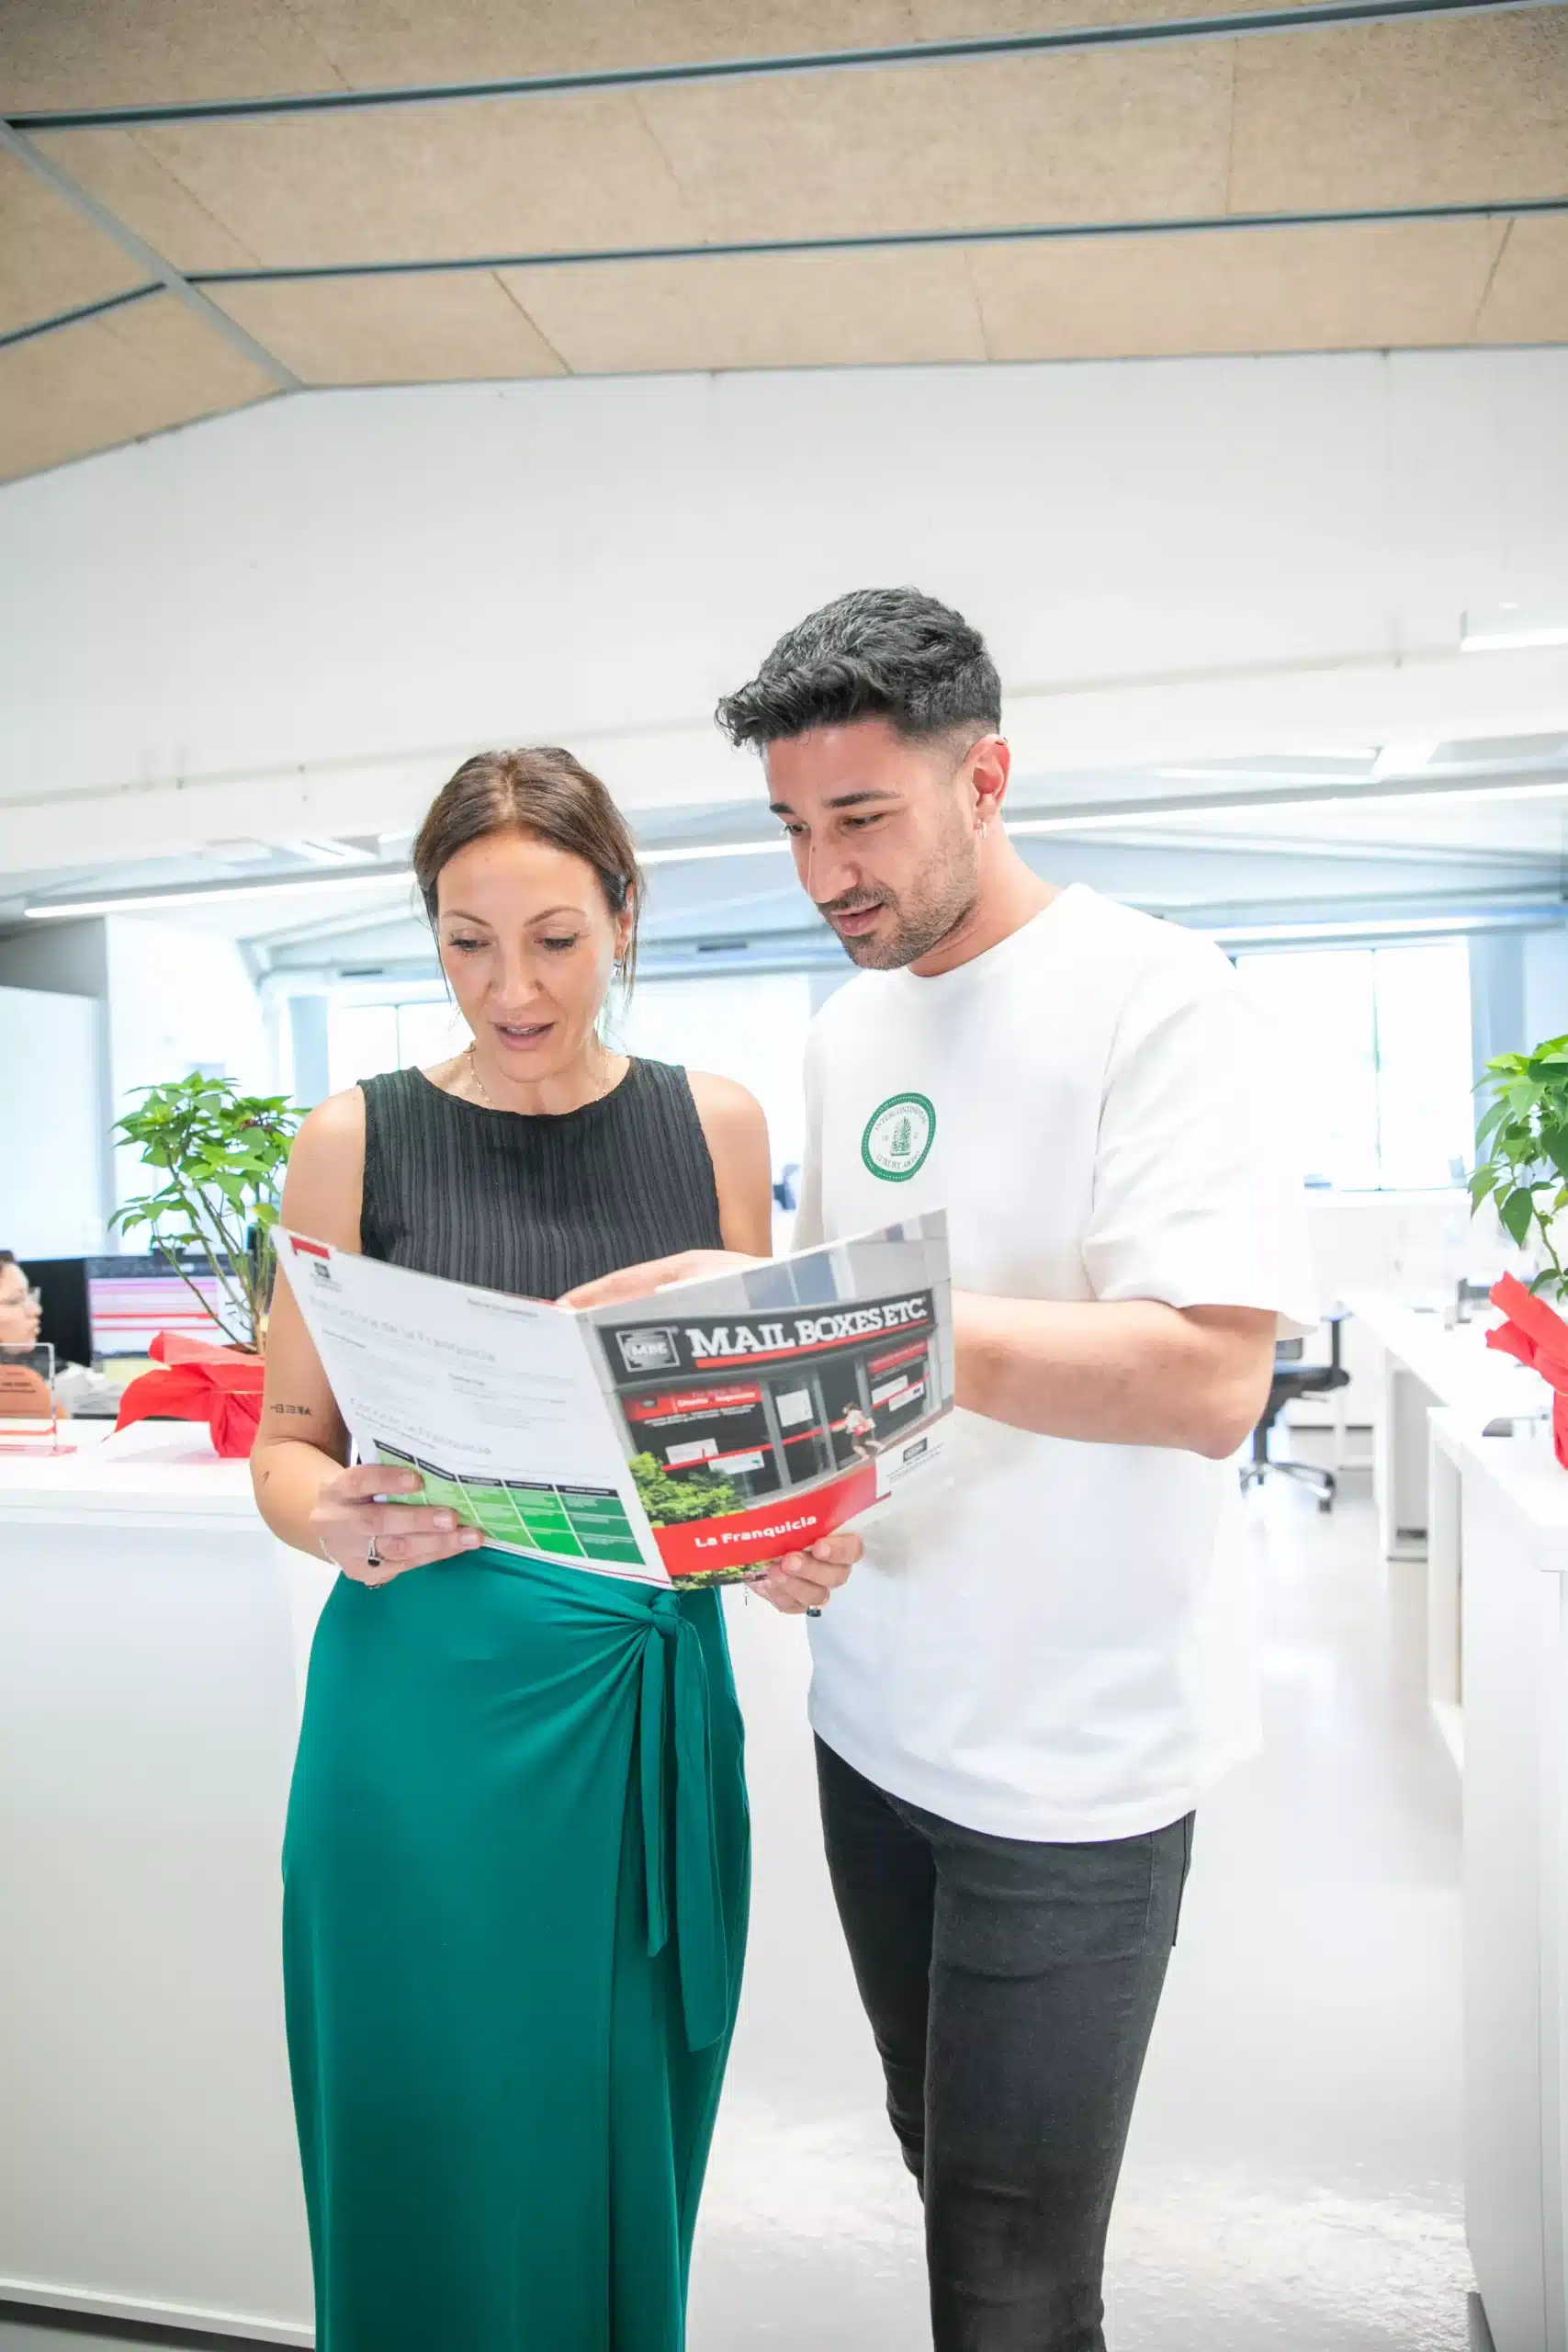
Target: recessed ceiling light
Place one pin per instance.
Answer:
(1402, 759)
(1511, 628)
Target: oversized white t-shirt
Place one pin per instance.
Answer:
(1058, 1646)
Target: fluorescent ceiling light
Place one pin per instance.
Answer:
(135, 902)
(1511, 628)
(712, 849)
(1256, 933)
(145, 901)
(1402, 759)
(1146, 813)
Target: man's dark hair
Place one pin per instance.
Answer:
(877, 653)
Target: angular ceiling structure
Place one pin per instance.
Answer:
(205, 207)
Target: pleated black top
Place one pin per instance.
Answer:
(534, 1204)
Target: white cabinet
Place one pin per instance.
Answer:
(152, 1639)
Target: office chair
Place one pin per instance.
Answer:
(1293, 1378)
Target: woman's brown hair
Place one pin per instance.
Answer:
(544, 792)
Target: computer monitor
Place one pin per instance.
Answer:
(129, 1300)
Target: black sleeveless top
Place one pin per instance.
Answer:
(534, 1204)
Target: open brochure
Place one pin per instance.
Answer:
(680, 1438)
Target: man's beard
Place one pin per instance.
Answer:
(920, 925)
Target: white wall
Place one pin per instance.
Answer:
(1545, 985)
(296, 617)
(51, 1170)
(177, 999)
(751, 1027)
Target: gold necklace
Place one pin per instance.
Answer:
(474, 1074)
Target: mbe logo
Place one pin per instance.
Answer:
(648, 1350)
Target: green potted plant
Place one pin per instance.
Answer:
(220, 1157)
(1524, 1133)
(1525, 1172)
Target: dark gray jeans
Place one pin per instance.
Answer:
(1012, 1988)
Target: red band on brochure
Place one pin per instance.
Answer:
(743, 1538)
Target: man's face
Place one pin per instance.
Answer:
(884, 833)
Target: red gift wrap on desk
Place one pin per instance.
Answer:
(199, 1382)
(1538, 1336)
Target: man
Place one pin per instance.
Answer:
(1020, 1694)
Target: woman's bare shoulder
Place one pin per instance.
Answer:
(725, 1106)
(335, 1126)
(326, 1171)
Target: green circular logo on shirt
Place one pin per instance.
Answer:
(898, 1136)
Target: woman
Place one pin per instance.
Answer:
(505, 2070)
(77, 1388)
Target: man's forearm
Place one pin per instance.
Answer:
(1122, 1373)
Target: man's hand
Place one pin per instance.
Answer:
(805, 1581)
(639, 1282)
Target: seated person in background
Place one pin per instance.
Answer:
(77, 1388)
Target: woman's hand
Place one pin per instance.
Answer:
(346, 1518)
(803, 1581)
(638, 1282)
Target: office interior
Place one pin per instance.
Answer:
(380, 385)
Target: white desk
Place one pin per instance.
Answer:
(1508, 1512)
(152, 1637)
(1424, 1366)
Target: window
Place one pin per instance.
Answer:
(1376, 1054)
(365, 1038)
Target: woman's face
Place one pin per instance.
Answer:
(529, 946)
(20, 1313)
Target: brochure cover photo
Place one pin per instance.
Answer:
(762, 1409)
(681, 1438)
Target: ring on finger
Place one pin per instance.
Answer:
(372, 1554)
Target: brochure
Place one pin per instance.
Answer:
(680, 1439)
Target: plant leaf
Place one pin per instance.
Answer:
(1517, 1212)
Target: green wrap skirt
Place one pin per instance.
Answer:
(516, 1883)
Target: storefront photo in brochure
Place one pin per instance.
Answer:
(802, 1393)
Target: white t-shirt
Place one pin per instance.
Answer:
(1059, 1645)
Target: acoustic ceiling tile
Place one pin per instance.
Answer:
(51, 258)
(762, 311)
(393, 330)
(56, 53)
(1110, 135)
(416, 183)
(1472, 108)
(106, 380)
(1366, 287)
(977, 19)
(984, 143)
(120, 168)
(1528, 298)
(376, 44)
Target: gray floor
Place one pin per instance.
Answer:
(1294, 2180)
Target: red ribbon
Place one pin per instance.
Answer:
(1537, 1335)
(199, 1382)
